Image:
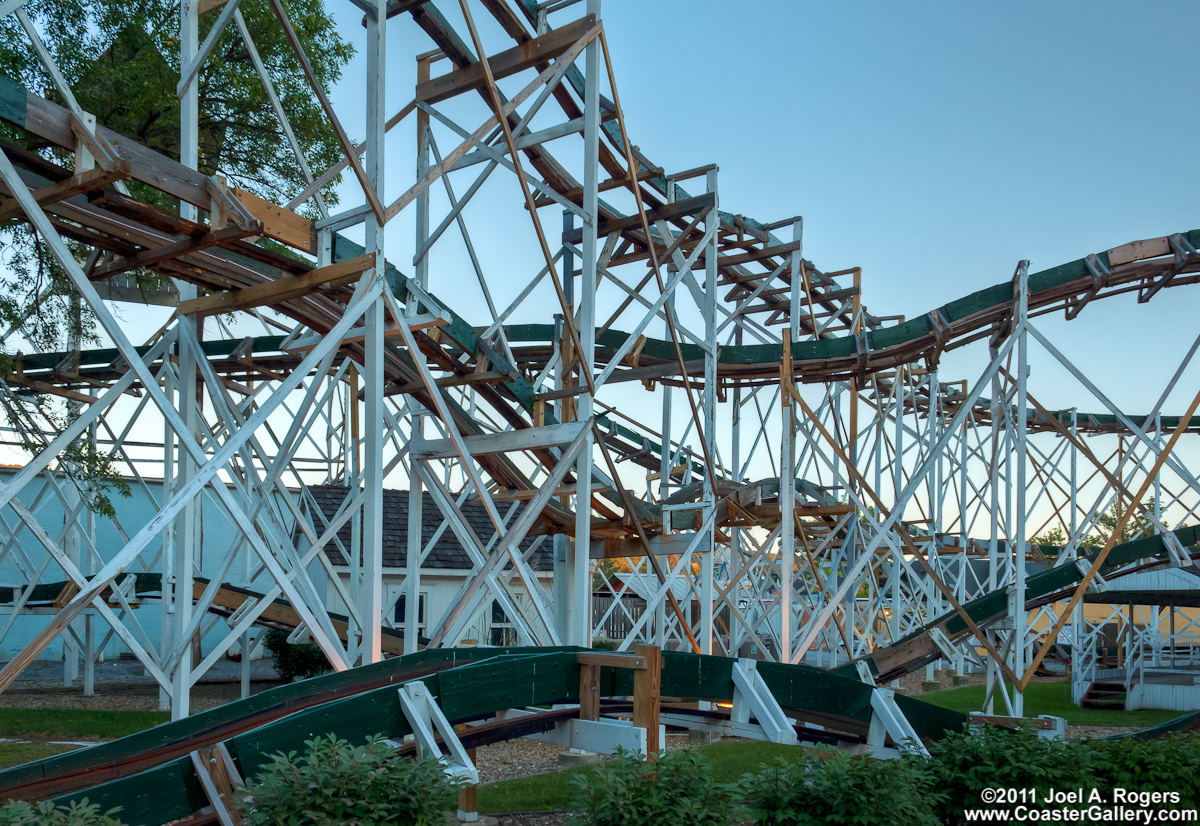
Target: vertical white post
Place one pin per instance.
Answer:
(579, 608)
(705, 637)
(247, 650)
(89, 618)
(787, 513)
(167, 618)
(187, 523)
(371, 588)
(1017, 608)
(416, 496)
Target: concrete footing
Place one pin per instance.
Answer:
(571, 759)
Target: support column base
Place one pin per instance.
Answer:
(571, 759)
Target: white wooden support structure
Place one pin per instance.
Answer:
(887, 720)
(427, 721)
(753, 699)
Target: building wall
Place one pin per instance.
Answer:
(439, 586)
(219, 537)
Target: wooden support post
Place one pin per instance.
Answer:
(218, 783)
(468, 805)
(589, 692)
(647, 688)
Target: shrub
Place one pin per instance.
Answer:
(843, 789)
(301, 660)
(678, 790)
(334, 783)
(17, 813)
(964, 764)
(1168, 765)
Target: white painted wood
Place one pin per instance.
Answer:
(532, 437)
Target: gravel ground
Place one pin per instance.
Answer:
(516, 758)
(122, 685)
(522, 758)
(1100, 731)
(539, 819)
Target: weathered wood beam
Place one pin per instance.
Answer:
(79, 183)
(280, 223)
(765, 252)
(531, 438)
(280, 289)
(677, 209)
(184, 246)
(488, 377)
(506, 63)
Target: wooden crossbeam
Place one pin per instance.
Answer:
(510, 62)
(77, 184)
(184, 246)
(765, 252)
(488, 377)
(525, 494)
(45, 387)
(280, 223)
(676, 209)
(613, 659)
(575, 193)
(532, 438)
(280, 289)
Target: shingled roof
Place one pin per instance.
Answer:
(448, 553)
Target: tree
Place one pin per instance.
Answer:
(121, 59)
(1138, 525)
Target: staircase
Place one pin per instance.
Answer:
(1104, 694)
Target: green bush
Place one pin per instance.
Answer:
(334, 783)
(1168, 765)
(965, 764)
(677, 790)
(16, 813)
(301, 660)
(843, 789)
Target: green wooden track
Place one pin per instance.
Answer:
(150, 774)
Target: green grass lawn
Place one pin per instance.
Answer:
(14, 754)
(1051, 698)
(540, 792)
(76, 723)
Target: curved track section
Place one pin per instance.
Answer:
(151, 775)
(926, 645)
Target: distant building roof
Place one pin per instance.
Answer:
(448, 553)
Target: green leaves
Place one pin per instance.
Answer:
(1168, 765)
(676, 791)
(334, 783)
(81, 813)
(843, 789)
(301, 660)
(121, 58)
